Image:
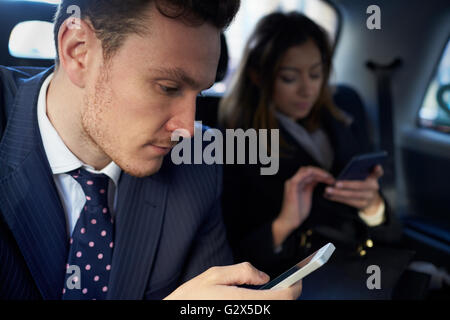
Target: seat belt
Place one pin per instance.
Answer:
(383, 75)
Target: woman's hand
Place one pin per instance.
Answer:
(297, 201)
(362, 195)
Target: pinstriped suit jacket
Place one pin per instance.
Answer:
(168, 226)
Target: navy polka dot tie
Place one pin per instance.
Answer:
(91, 244)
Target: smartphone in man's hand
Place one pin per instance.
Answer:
(301, 269)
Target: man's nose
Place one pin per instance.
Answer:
(183, 119)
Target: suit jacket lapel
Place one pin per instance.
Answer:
(139, 219)
(28, 198)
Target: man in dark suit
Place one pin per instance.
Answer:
(89, 206)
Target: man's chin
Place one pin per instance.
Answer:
(142, 169)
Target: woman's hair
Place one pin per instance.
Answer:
(249, 102)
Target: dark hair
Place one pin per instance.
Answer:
(114, 19)
(249, 104)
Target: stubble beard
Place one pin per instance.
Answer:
(98, 132)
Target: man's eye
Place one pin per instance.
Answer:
(169, 90)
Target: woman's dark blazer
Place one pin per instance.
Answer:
(252, 201)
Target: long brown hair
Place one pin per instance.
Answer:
(248, 103)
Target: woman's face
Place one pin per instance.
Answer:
(298, 80)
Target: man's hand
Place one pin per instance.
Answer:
(220, 283)
(363, 195)
(297, 200)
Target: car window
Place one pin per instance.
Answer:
(252, 11)
(32, 40)
(435, 110)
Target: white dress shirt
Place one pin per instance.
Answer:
(62, 161)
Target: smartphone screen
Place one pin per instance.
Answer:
(302, 269)
(360, 167)
(290, 272)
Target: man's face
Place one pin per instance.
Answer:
(147, 90)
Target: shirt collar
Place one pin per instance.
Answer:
(60, 158)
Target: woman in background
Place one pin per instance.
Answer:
(273, 221)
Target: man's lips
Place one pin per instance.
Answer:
(162, 146)
(161, 149)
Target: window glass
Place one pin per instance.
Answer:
(252, 11)
(32, 40)
(435, 110)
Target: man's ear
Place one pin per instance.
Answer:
(77, 48)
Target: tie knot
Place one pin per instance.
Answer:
(95, 186)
